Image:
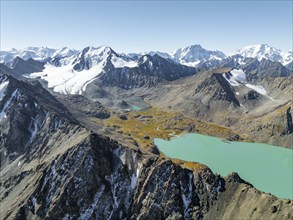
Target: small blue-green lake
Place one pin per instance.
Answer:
(268, 168)
(135, 108)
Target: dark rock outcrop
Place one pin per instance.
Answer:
(123, 117)
(81, 63)
(22, 67)
(86, 106)
(289, 121)
(219, 88)
(150, 71)
(252, 95)
(257, 70)
(27, 109)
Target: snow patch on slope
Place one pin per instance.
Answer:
(192, 64)
(66, 80)
(257, 88)
(187, 196)
(119, 62)
(3, 87)
(287, 57)
(135, 176)
(238, 77)
(35, 127)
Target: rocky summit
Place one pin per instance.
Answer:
(77, 130)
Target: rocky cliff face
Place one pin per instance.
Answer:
(168, 191)
(257, 70)
(99, 179)
(27, 110)
(212, 95)
(241, 201)
(89, 181)
(150, 71)
(289, 121)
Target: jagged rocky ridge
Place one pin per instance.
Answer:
(100, 179)
(222, 90)
(66, 171)
(23, 67)
(150, 71)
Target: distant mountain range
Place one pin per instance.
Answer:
(264, 51)
(129, 71)
(194, 55)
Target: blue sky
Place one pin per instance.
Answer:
(138, 26)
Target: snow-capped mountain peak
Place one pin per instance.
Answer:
(287, 58)
(92, 56)
(72, 74)
(64, 52)
(161, 54)
(36, 53)
(260, 51)
(194, 54)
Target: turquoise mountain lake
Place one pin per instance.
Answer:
(135, 108)
(268, 168)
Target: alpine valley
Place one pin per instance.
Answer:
(77, 131)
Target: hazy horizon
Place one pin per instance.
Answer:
(134, 27)
(138, 52)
